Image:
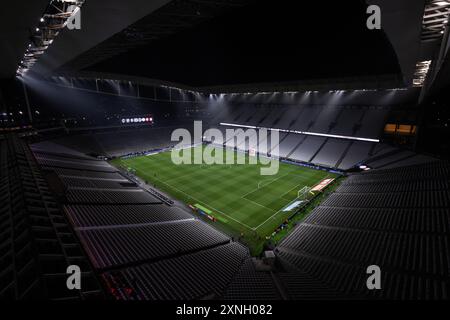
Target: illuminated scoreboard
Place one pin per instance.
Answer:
(138, 119)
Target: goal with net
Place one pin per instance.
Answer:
(303, 193)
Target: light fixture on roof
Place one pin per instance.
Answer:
(435, 19)
(420, 75)
(51, 22)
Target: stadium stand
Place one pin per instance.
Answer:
(133, 239)
(204, 275)
(353, 121)
(307, 149)
(250, 284)
(116, 142)
(301, 286)
(331, 152)
(37, 244)
(95, 183)
(359, 178)
(91, 216)
(357, 152)
(122, 245)
(65, 172)
(397, 217)
(324, 151)
(106, 196)
(288, 143)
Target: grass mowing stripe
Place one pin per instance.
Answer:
(190, 196)
(258, 188)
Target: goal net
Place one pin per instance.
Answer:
(303, 193)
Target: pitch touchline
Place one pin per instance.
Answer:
(248, 227)
(271, 181)
(296, 186)
(256, 228)
(258, 204)
(291, 201)
(278, 210)
(245, 225)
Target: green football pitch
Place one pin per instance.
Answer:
(248, 204)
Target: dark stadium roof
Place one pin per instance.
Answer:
(15, 23)
(207, 43)
(285, 41)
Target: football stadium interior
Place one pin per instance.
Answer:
(225, 150)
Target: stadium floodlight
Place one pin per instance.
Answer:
(51, 23)
(421, 72)
(442, 3)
